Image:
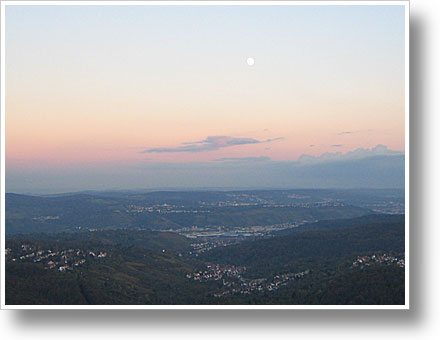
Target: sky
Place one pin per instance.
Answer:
(122, 97)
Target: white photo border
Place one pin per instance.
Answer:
(404, 3)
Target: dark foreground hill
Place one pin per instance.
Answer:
(135, 267)
(294, 251)
(358, 261)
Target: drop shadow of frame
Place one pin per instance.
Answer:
(206, 319)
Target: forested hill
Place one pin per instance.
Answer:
(293, 252)
(345, 222)
(153, 240)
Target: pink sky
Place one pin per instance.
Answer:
(73, 98)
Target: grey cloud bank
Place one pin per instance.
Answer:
(379, 150)
(377, 167)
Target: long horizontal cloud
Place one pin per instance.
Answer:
(211, 143)
(242, 159)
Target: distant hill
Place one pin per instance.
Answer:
(152, 240)
(345, 222)
(172, 210)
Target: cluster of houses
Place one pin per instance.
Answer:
(233, 282)
(208, 243)
(325, 203)
(161, 209)
(45, 218)
(62, 260)
(365, 261)
(247, 286)
(216, 272)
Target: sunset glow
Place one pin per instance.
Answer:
(97, 85)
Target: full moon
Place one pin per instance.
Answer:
(250, 61)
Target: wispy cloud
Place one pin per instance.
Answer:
(242, 159)
(352, 132)
(211, 143)
(336, 145)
